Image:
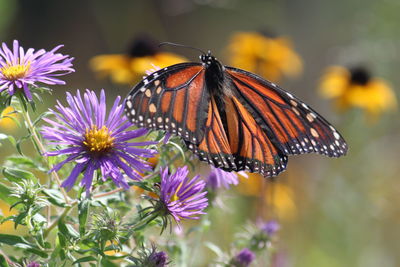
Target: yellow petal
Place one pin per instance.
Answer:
(163, 59)
(117, 67)
(6, 122)
(376, 97)
(334, 82)
(268, 57)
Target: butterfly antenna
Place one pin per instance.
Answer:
(181, 45)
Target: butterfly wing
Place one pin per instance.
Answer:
(177, 100)
(242, 145)
(173, 99)
(254, 127)
(290, 124)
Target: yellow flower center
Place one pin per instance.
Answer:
(15, 72)
(98, 140)
(175, 197)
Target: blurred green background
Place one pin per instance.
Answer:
(333, 212)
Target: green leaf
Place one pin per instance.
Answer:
(33, 105)
(14, 240)
(12, 140)
(9, 137)
(83, 211)
(38, 119)
(107, 263)
(85, 259)
(55, 197)
(180, 150)
(5, 195)
(19, 143)
(67, 230)
(21, 160)
(3, 261)
(38, 252)
(16, 175)
(214, 248)
(19, 219)
(61, 240)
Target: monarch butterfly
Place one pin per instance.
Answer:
(231, 118)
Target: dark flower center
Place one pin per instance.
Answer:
(268, 33)
(143, 46)
(98, 140)
(359, 76)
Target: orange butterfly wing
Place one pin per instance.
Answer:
(252, 126)
(290, 124)
(242, 146)
(173, 99)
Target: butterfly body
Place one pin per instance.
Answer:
(231, 118)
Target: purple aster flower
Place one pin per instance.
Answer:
(157, 259)
(219, 178)
(93, 141)
(33, 264)
(151, 258)
(182, 198)
(20, 69)
(244, 258)
(270, 227)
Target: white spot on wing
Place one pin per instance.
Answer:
(336, 135)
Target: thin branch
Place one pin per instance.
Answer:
(42, 149)
(62, 216)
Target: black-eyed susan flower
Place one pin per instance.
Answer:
(355, 87)
(20, 69)
(270, 57)
(94, 141)
(128, 68)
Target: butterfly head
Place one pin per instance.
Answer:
(208, 59)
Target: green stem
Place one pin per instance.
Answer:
(38, 143)
(99, 257)
(8, 260)
(145, 220)
(62, 216)
(117, 189)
